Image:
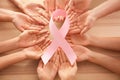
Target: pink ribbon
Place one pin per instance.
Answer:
(59, 39)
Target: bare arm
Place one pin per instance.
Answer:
(88, 18)
(6, 15)
(18, 3)
(9, 45)
(8, 60)
(112, 43)
(26, 39)
(106, 61)
(34, 10)
(106, 8)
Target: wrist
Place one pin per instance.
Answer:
(16, 41)
(23, 55)
(91, 57)
(7, 14)
(92, 15)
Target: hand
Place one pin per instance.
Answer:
(66, 70)
(35, 51)
(48, 71)
(24, 22)
(77, 39)
(37, 12)
(60, 4)
(77, 5)
(82, 52)
(50, 5)
(31, 37)
(83, 23)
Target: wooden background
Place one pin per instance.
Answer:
(26, 70)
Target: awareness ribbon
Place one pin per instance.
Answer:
(59, 39)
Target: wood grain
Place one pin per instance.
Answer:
(26, 70)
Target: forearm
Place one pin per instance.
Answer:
(105, 61)
(6, 15)
(106, 8)
(9, 45)
(11, 59)
(18, 3)
(112, 43)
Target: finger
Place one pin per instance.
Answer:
(34, 28)
(20, 28)
(39, 20)
(43, 44)
(57, 62)
(70, 14)
(54, 57)
(76, 31)
(52, 5)
(66, 7)
(43, 31)
(40, 65)
(46, 5)
(44, 14)
(63, 55)
(70, 41)
(43, 20)
(32, 32)
(74, 27)
(40, 40)
(68, 11)
(40, 6)
(46, 45)
(60, 56)
(68, 37)
(84, 30)
(73, 16)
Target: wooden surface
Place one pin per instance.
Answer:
(26, 70)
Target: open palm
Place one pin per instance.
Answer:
(24, 22)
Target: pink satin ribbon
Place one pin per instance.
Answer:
(59, 39)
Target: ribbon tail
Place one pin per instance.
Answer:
(49, 52)
(69, 52)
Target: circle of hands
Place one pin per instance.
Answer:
(35, 36)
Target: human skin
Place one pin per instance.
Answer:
(48, 71)
(85, 21)
(34, 10)
(66, 70)
(33, 53)
(21, 21)
(105, 61)
(89, 40)
(26, 39)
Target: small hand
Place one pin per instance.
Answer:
(77, 5)
(48, 71)
(24, 22)
(82, 53)
(66, 70)
(77, 39)
(60, 4)
(36, 51)
(50, 5)
(31, 37)
(83, 23)
(37, 12)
